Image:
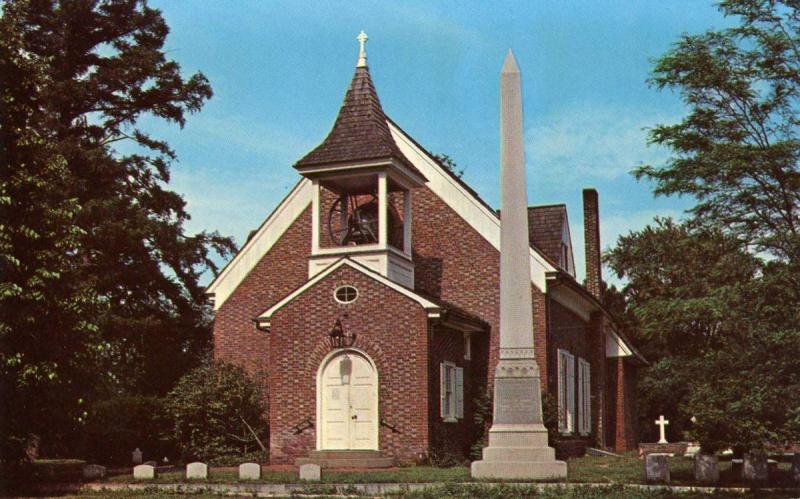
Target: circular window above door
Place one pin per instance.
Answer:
(345, 294)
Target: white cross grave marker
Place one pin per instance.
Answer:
(662, 423)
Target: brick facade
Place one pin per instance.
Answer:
(455, 438)
(591, 235)
(454, 265)
(621, 389)
(391, 329)
(236, 338)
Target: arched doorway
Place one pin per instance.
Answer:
(347, 402)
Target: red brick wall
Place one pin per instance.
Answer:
(621, 383)
(453, 263)
(448, 345)
(282, 270)
(456, 264)
(569, 332)
(591, 234)
(390, 328)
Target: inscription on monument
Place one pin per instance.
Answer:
(517, 405)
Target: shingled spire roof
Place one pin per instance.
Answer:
(360, 132)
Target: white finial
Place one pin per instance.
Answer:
(362, 54)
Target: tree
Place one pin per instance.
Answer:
(683, 285)
(449, 164)
(46, 310)
(90, 70)
(716, 296)
(737, 150)
(218, 412)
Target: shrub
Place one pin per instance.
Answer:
(218, 411)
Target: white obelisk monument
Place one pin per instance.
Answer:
(518, 439)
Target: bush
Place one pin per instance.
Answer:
(218, 411)
(119, 425)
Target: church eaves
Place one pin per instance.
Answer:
(360, 132)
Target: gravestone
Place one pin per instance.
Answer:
(656, 468)
(136, 456)
(144, 472)
(93, 471)
(706, 468)
(196, 471)
(796, 467)
(249, 471)
(310, 472)
(755, 468)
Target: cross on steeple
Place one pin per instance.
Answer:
(362, 54)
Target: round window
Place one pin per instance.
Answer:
(346, 294)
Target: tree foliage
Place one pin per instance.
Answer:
(715, 297)
(218, 411)
(100, 284)
(737, 150)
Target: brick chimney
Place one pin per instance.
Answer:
(591, 234)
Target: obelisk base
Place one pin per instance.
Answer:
(518, 439)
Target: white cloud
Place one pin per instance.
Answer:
(590, 142)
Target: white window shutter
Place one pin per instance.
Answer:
(581, 398)
(570, 393)
(561, 393)
(587, 390)
(459, 392)
(443, 409)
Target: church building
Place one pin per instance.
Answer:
(368, 303)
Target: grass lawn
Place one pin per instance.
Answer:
(456, 482)
(589, 469)
(414, 474)
(494, 491)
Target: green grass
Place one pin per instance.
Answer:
(486, 491)
(416, 474)
(627, 469)
(630, 469)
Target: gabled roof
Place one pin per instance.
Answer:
(433, 309)
(360, 132)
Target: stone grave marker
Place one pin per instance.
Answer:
(93, 471)
(136, 456)
(755, 468)
(310, 472)
(656, 468)
(706, 468)
(249, 471)
(196, 471)
(144, 472)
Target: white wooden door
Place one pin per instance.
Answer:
(349, 403)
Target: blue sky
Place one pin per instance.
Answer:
(280, 70)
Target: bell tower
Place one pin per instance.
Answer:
(362, 187)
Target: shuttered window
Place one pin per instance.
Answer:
(566, 392)
(451, 389)
(584, 397)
